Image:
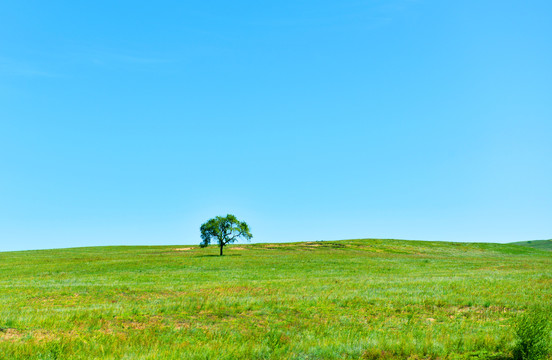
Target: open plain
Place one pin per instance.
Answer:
(351, 299)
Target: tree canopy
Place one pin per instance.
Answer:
(224, 230)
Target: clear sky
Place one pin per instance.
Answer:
(132, 122)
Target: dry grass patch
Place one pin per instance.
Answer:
(10, 335)
(183, 249)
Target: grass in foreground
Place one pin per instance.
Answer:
(354, 299)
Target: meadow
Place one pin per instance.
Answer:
(537, 244)
(351, 299)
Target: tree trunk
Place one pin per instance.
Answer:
(221, 249)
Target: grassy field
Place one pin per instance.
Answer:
(537, 244)
(353, 299)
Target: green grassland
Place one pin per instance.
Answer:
(353, 299)
(537, 244)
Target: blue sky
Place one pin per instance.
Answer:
(133, 122)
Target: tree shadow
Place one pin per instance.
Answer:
(218, 256)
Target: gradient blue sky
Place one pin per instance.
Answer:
(132, 122)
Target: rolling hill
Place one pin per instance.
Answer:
(536, 244)
(351, 299)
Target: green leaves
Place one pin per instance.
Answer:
(224, 230)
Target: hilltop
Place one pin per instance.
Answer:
(536, 244)
(357, 299)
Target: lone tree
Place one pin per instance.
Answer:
(225, 230)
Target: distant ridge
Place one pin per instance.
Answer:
(536, 244)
